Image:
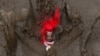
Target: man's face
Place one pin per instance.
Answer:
(49, 34)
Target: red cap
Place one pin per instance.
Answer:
(50, 24)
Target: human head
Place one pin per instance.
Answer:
(49, 34)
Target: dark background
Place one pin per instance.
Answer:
(89, 11)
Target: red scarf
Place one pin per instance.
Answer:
(50, 24)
